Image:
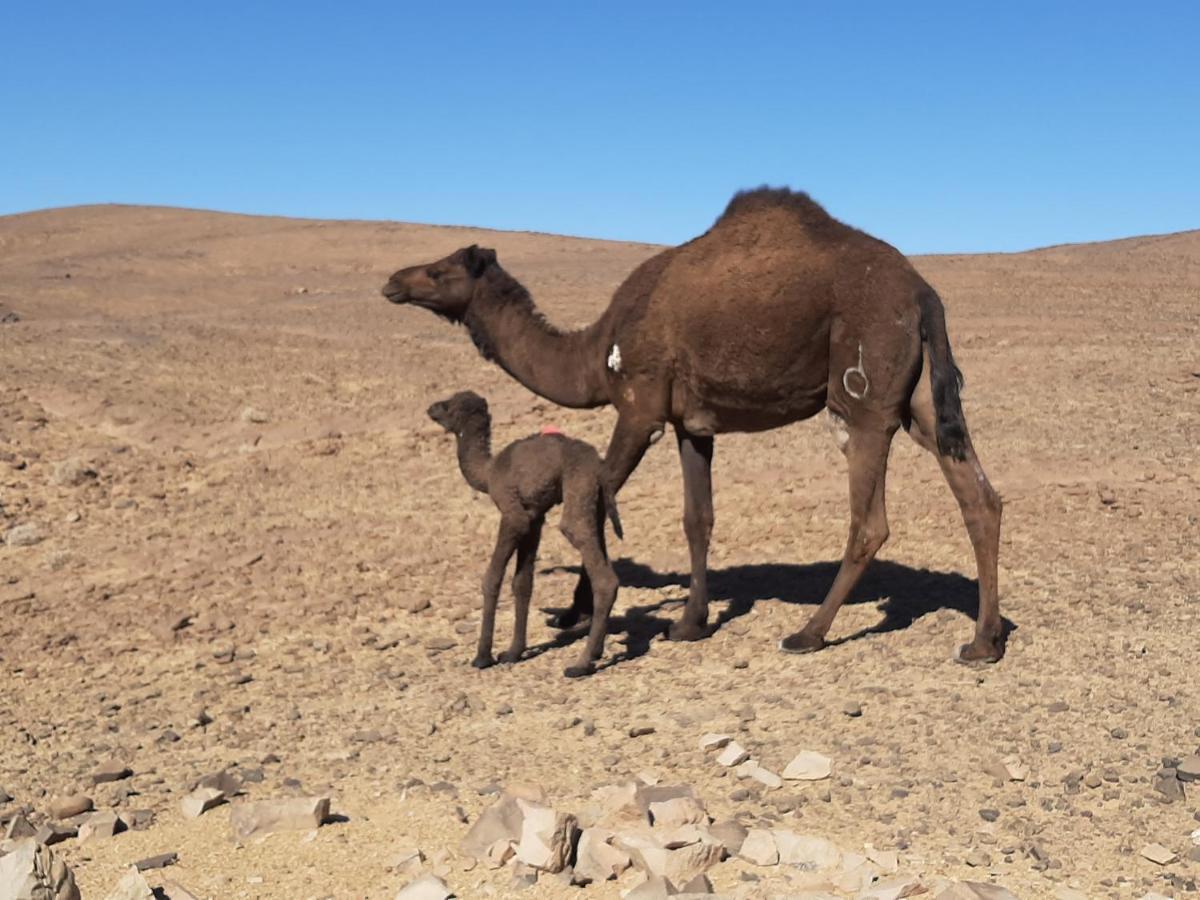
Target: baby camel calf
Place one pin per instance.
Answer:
(525, 480)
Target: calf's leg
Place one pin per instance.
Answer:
(506, 544)
(522, 586)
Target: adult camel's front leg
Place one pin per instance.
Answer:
(695, 457)
(867, 452)
(628, 445)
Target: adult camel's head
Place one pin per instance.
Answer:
(444, 287)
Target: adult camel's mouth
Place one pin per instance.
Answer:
(394, 294)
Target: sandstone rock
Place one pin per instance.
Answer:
(161, 861)
(547, 837)
(759, 848)
(808, 766)
(200, 801)
(111, 771)
(427, 887)
(653, 888)
(255, 416)
(23, 535)
(1158, 854)
(268, 816)
(1015, 769)
(32, 872)
(1062, 892)
(523, 877)
(55, 833)
(69, 807)
(810, 853)
(500, 822)
(894, 887)
(499, 853)
(734, 754)
(730, 833)
(766, 777)
(974, 890)
(408, 859)
(131, 887)
(72, 473)
(714, 741)
(597, 860)
(698, 885)
(677, 811)
(978, 858)
(224, 781)
(852, 709)
(102, 824)
(19, 827)
(172, 890)
(1189, 769)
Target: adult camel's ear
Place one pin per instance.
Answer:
(477, 259)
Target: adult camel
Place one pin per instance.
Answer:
(776, 312)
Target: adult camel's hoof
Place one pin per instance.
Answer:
(801, 642)
(511, 656)
(483, 662)
(567, 618)
(580, 671)
(979, 653)
(686, 631)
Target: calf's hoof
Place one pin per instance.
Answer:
(483, 662)
(686, 631)
(801, 642)
(580, 671)
(979, 652)
(511, 656)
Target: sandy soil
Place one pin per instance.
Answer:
(268, 497)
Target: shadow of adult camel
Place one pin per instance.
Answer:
(903, 594)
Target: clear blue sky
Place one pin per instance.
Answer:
(938, 126)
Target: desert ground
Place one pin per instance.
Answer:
(234, 540)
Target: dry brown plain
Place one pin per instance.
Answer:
(253, 412)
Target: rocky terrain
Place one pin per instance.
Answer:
(239, 581)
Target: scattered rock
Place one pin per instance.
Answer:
(55, 833)
(808, 766)
(852, 709)
(1158, 854)
(69, 807)
(641, 730)
(72, 473)
(200, 801)
(32, 872)
(974, 890)
(713, 741)
(499, 823)
(268, 816)
(698, 885)
(677, 811)
(653, 888)
(730, 833)
(547, 837)
(597, 860)
(131, 887)
(161, 861)
(19, 827)
(23, 535)
(111, 771)
(414, 604)
(427, 887)
(734, 754)
(408, 859)
(806, 851)
(978, 858)
(224, 781)
(759, 848)
(103, 824)
(1189, 769)
(175, 891)
(255, 416)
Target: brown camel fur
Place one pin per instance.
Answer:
(525, 480)
(776, 312)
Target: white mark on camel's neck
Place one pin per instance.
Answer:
(614, 358)
(856, 393)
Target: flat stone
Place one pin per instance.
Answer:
(766, 777)
(427, 887)
(55, 833)
(547, 837)
(1189, 769)
(852, 709)
(597, 860)
(677, 811)
(978, 858)
(653, 888)
(808, 765)
(224, 781)
(102, 824)
(1062, 892)
(714, 741)
(1015, 769)
(974, 890)
(759, 848)
(200, 801)
(269, 816)
(698, 885)
(173, 890)
(806, 851)
(730, 833)
(26, 535)
(500, 822)
(131, 887)
(33, 872)
(894, 887)
(734, 754)
(111, 771)
(407, 859)
(1158, 854)
(69, 807)
(161, 861)
(499, 854)
(19, 827)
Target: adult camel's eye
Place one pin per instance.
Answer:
(433, 274)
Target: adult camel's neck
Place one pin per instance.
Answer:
(566, 368)
(475, 453)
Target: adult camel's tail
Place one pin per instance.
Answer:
(944, 377)
(610, 507)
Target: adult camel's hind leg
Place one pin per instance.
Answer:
(867, 452)
(625, 450)
(583, 525)
(493, 578)
(522, 587)
(695, 457)
(981, 508)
